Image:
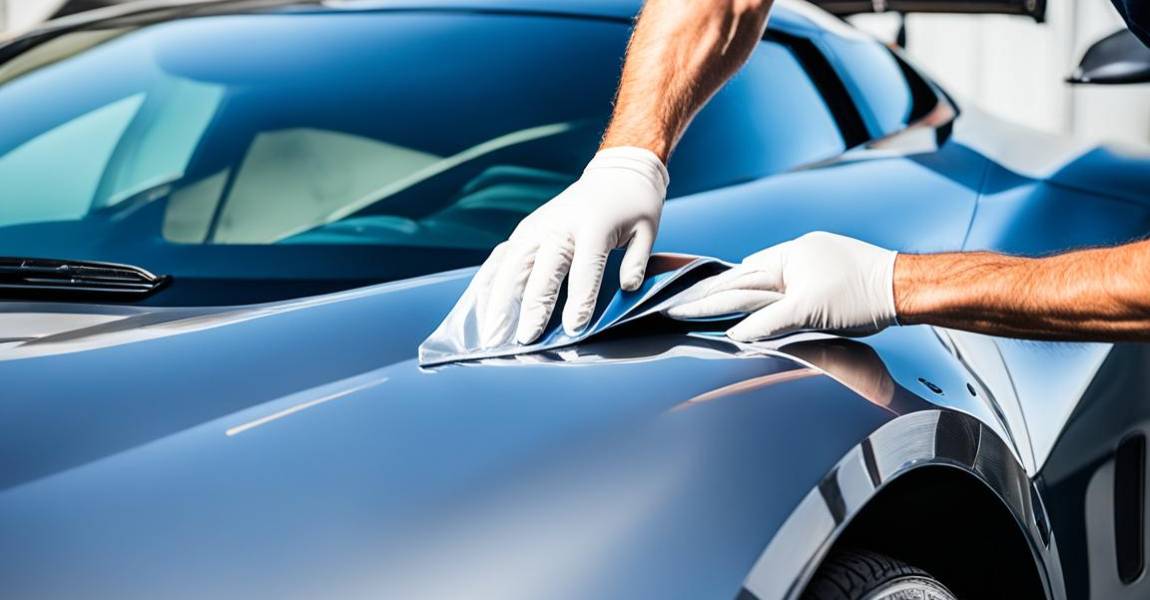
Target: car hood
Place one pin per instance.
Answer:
(297, 449)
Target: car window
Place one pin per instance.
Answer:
(888, 92)
(343, 147)
(769, 118)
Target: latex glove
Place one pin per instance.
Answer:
(617, 202)
(820, 281)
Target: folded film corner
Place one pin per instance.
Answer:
(457, 337)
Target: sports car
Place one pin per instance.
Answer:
(227, 227)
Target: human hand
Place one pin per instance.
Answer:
(820, 281)
(617, 202)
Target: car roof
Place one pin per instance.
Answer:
(789, 16)
(785, 15)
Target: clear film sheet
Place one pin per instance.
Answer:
(457, 337)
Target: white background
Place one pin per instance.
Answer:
(1016, 68)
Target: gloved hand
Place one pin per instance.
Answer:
(820, 281)
(617, 202)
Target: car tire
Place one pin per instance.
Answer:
(864, 575)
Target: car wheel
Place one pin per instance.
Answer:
(864, 575)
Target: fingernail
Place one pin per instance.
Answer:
(525, 328)
(734, 334)
(527, 336)
(577, 330)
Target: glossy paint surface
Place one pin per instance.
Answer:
(1080, 477)
(297, 450)
(236, 471)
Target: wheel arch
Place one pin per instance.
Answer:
(947, 521)
(940, 469)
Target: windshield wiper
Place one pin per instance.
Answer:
(24, 276)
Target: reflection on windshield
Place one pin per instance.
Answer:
(308, 151)
(321, 177)
(345, 148)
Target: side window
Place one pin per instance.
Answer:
(889, 93)
(769, 118)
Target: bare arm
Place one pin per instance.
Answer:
(681, 53)
(828, 282)
(1097, 294)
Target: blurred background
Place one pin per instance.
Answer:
(17, 15)
(1008, 65)
(1016, 68)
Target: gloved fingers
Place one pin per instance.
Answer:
(728, 302)
(552, 262)
(506, 293)
(583, 282)
(743, 277)
(770, 264)
(634, 265)
(779, 318)
(712, 285)
(739, 277)
(480, 286)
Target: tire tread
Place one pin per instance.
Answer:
(853, 574)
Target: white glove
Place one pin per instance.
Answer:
(820, 281)
(617, 202)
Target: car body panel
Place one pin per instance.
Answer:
(936, 440)
(166, 418)
(1081, 476)
(296, 449)
(402, 481)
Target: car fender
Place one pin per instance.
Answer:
(926, 439)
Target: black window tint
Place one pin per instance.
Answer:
(767, 119)
(887, 90)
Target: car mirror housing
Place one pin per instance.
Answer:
(1115, 59)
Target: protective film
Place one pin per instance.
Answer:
(457, 337)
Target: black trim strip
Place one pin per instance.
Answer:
(871, 463)
(1035, 9)
(833, 496)
(1129, 507)
(846, 113)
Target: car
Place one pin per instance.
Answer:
(228, 226)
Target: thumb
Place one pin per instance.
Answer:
(774, 320)
(634, 266)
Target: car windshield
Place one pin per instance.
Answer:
(263, 156)
(301, 152)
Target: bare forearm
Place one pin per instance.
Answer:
(681, 53)
(1098, 294)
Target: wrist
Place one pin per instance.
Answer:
(655, 144)
(887, 313)
(910, 303)
(640, 161)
